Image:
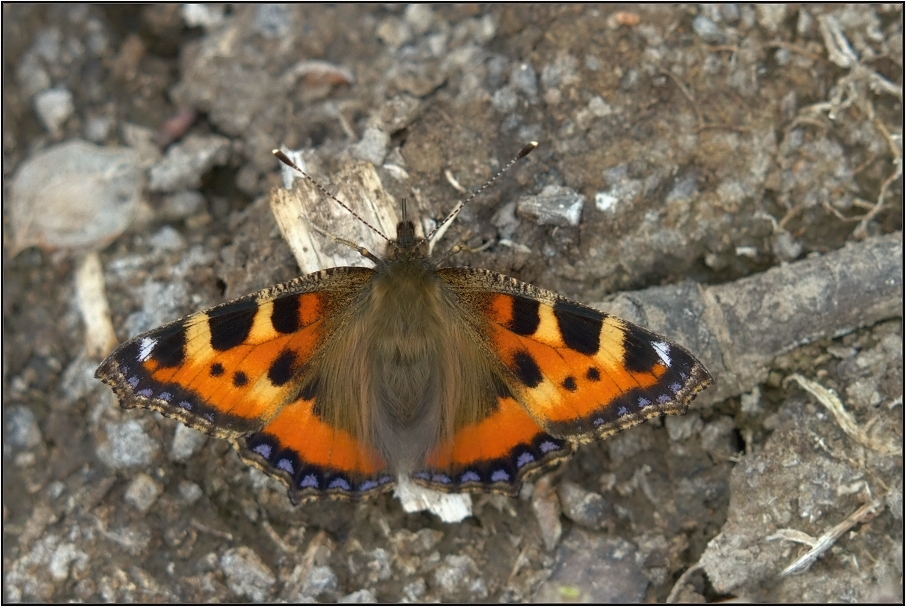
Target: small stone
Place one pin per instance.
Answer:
(190, 491)
(786, 247)
(167, 239)
(203, 15)
(75, 195)
(20, 429)
(599, 107)
(186, 163)
(750, 402)
(127, 444)
(63, 556)
(707, 30)
(186, 442)
(717, 438)
(373, 146)
(546, 506)
(393, 32)
(583, 507)
(320, 580)
(272, 20)
(420, 17)
(681, 427)
(524, 78)
(54, 107)
(505, 99)
(359, 596)
(97, 128)
(142, 492)
(181, 205)
(594, 569)
(606, 202)
(457, 574)
(770, 16)
(555, 205)
(246, 574)
(414, 591)
(683, 189)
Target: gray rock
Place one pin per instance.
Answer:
(142, 492)
(457, 575)
(373, 146)
(75, 195)
(126, 445)
(593, 568)
(54, 107)
(167, 239)
(190, 491)
(20, 429)
(707, 30)
(555, 205)
(359, 596)
(586, 508)
(187, 161)
(186, 442)
(681, 427)
(246, 573)
(319, 580)
(524, 78)
(414, 591)
(180, 205)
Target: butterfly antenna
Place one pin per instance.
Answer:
(285, 160)
(442, 226)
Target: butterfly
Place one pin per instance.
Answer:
(461, 379)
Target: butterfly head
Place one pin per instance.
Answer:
(407, 245)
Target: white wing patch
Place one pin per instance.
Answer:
(663, 352)
(145, 348)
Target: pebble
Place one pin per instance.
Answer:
(359, 596)
(142, 492)
(246, 574)
(586, 508)
(75, 195)
(186, 442)
(127, 444)
(20, 429)
(457, 574)
(592, 568)
(707, 30)
(54, 107)
(319, 580)
(373, 146)
(555, 205)
(186, 163)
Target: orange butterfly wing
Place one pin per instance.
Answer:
(571, 373)
(238, 371)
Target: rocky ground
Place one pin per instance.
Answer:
(754, 150)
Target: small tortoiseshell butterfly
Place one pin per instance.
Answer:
(462, 379)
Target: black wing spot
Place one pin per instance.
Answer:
(170, 349)
(579, 326)
(570, 383)
(231, 324)
(639, 355)
(592, 374)
(526, 369)
(217, 370)
(240, 379)
(285, 314)
(525, 318)
(283, 368)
